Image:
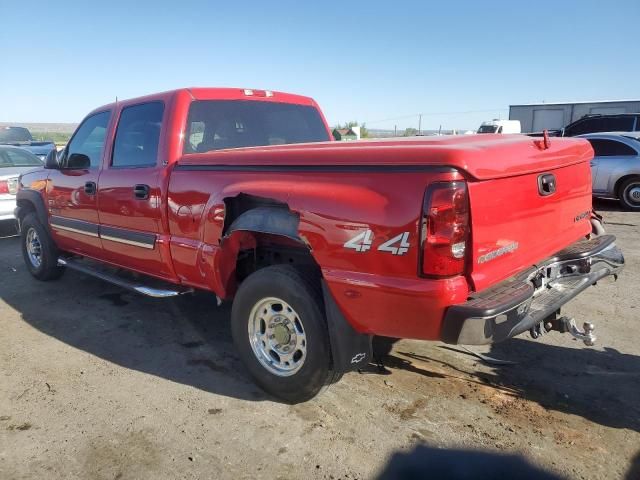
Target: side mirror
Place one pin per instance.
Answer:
(78, 161)
(51, 162)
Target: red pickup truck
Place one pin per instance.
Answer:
(320, 244)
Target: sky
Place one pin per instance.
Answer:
(381, 63)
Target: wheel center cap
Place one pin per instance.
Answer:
(281, 334)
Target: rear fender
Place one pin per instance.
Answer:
(349, 349)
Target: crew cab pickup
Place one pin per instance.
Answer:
(321, 245)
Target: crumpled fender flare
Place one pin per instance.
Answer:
(271, 220)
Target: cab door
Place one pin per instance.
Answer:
(129, 191)
(72, 189)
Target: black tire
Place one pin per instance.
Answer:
(629, 194)
(300, 290)
(48, 268)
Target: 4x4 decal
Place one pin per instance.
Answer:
(398, 245)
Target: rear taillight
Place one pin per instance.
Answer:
(4, 187)
(445, 229)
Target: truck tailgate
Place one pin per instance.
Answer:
(514, 226)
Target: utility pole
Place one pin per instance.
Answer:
(420, 124)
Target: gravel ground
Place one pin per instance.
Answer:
(99, 383)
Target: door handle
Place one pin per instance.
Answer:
(90, 188)
(141, 192)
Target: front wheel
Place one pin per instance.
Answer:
(279, 328)
(39, 252)
(629, 194)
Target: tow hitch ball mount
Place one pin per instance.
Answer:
(566, 325)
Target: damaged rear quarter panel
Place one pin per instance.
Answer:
(370, 287)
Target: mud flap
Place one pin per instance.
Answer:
(350, 350)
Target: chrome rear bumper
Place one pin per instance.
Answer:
(524, 301)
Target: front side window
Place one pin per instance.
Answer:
(222, 124)
(138, 136)
(89, 139)
(611, 148)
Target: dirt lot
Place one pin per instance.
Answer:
(99, 383)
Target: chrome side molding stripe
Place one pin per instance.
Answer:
(75, 230)
(112, 234)
(149, 246)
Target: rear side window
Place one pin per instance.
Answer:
(138, 136)
(89, 139)
(611, 148)
(601, 124)
(17, 158)
(221, 124)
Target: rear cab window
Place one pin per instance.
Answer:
(222, 124)
(14, 134)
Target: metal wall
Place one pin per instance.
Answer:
(534, 118)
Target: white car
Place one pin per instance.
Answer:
(14, 161)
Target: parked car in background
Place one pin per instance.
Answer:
(500, 126)
(14, 161)
(21, 137)
(616, 166)
(621, 122)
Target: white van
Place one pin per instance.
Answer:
(500, 126)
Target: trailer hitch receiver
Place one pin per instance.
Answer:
(586, 334)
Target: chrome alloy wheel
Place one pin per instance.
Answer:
(277, 336)
(34, 248)
(632, 194)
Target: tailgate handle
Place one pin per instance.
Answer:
(546, 184)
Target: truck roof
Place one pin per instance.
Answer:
(215, 93)
(481, 156)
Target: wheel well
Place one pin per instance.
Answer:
(273, 250)
(621, 180)
(26, 207)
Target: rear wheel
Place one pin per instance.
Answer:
(39, 252)
(629, 194)
(280, 331)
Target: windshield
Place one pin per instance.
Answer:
(14, 134)
(14, 157)
(220, 124)
(488, 129)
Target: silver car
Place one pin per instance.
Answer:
(616, 166)
(14, 161)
